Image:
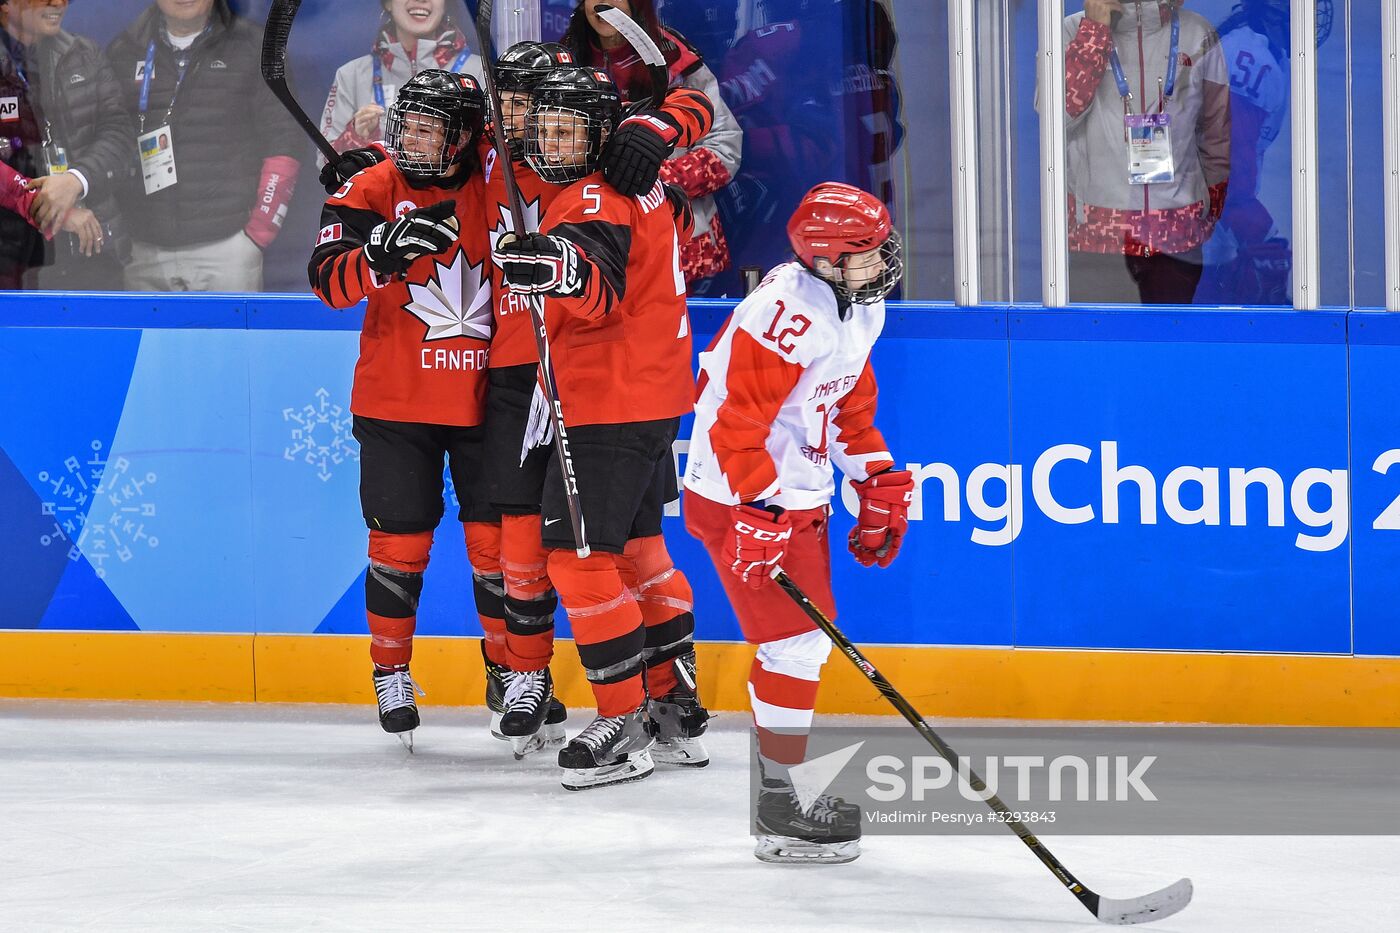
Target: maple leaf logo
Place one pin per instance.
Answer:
(506, 225)
(455, 302)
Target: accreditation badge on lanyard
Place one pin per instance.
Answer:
(384, 93)
(1148, 136)
(157, 147)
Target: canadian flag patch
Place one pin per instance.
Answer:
(329, 234)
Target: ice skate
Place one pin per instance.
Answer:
(610, 750)
(533, 719)
(398, 708)
(498, 678)
(678, 720)
(826, 833)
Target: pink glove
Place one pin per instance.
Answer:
(757, 543)
(884, 517)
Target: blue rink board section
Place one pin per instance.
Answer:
(1211, 480)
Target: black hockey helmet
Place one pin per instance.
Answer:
(453, 101)
(520, 68)
(526, 64)
(573, 113)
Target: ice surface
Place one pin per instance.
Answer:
(153, 817)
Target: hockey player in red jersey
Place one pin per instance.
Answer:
(608, 268)
(407, 234)
(515, 599)
(786, 391)
(630, 162)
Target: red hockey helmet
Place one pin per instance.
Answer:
(835, 224)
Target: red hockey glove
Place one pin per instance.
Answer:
(632, 159)
(884, 517)
(536, 264)
(756, 543)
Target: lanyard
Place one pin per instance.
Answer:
(1124, 91)
(378, 80)
(146, 82)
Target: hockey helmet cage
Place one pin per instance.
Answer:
(573, 112)
(453, 101)
(835, 222)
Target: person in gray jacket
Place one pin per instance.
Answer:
(1147, 97)
(413, 35)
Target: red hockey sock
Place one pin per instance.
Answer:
(393, 584)
(607, 627)
(488, 586)
(663, 594)
(530, 599)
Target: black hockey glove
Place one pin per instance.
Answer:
(633, 156)
(423, 232)
(536, 264)
(337, 173)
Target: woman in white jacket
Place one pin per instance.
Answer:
(413, 35)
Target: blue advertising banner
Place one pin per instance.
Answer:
(1172, 480)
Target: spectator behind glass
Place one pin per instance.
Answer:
(700, 170)
(203, 209)
(84, 150)
(1250, 259)
(413, 35)
(1139, 239)
(21, 245)
(708, 24)
(813, 90)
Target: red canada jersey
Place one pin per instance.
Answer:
(424, 345)
(514, 343)
(621, 348)
(686, 110)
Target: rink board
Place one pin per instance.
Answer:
(1134, 481)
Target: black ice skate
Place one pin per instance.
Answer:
(533, 719)
(678, 720)
(398, 709)
(826, 833)
(610, 750)
(498, 678)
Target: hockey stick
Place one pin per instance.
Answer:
(642, 44)
(1119, 912)
(517, 216)
(274, 71)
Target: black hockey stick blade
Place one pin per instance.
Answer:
(642, 44)
(1109, 910)
(274, 71)
(1145, 909)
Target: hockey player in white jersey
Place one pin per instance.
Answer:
(786, 392)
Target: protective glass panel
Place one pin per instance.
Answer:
(210, 185)
(1350, 154)
(1178, 152)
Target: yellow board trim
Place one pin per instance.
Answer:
(998, 683)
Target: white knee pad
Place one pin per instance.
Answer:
(800, 656)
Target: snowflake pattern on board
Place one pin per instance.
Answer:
(99, 508)
(321, 435)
